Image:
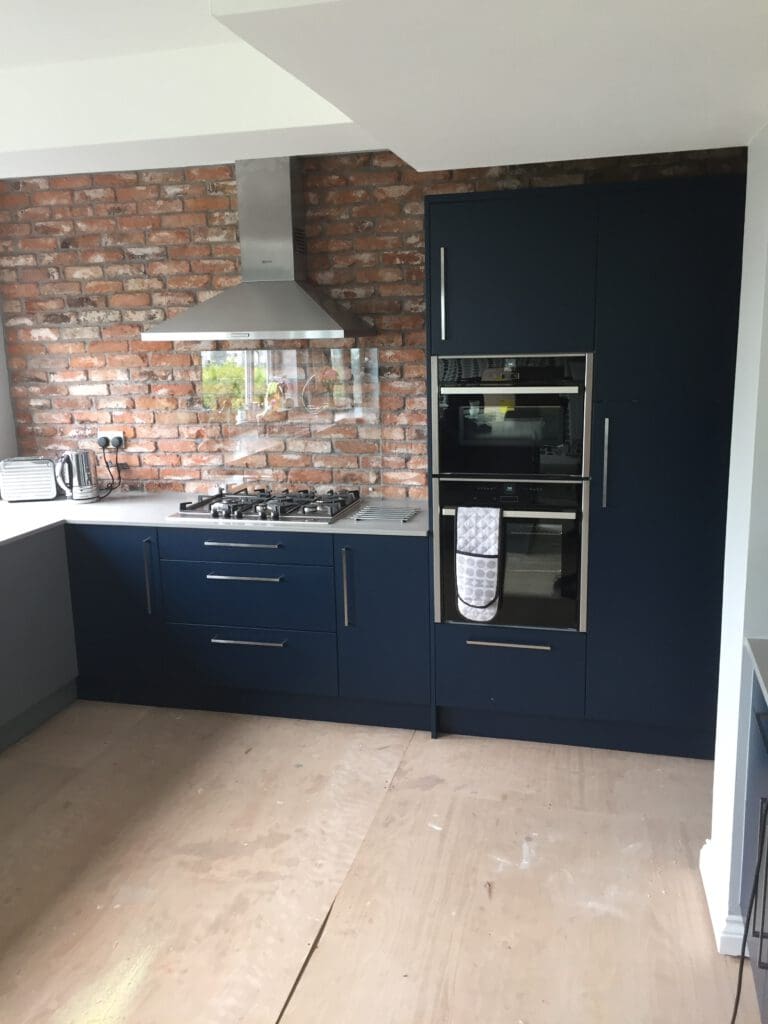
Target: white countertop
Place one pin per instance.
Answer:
(20, 518)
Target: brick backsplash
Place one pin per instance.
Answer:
(86, 260)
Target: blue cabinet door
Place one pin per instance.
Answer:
(227, 544)
(276, 660)
(116, 606)
(523, 671)
(667, 309)
(253, 594)
(667, 297)
(383, 618)
(511, 272)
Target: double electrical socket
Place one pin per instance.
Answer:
(110, 436)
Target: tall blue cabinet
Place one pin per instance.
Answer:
(646, 275)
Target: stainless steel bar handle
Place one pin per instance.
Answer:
(520, 514)
(470, 390)
(516, 647)
(247, 643)
(606, 442)
(245, 579)
(345, 583)
(147, 545)
(442, 294)
(228, 544)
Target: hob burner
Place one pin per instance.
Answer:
(262, 504)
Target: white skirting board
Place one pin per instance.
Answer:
(728, 928)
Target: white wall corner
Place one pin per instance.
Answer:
(745, 594)
(728, 928)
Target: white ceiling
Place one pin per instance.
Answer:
(96, 85)
(49, 31)
(452, 83)
(103, 85)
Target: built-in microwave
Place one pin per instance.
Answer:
(542, 558)
(511, 416)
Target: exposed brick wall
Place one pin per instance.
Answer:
(87, 260)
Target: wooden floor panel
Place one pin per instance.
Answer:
(161, 866)
(179, 871)
(521, 883)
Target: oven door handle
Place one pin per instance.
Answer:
(522, 514)
(469, 390)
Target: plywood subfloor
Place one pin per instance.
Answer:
(162, 866)
(521, 883)
(169, 867)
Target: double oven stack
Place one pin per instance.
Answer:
(512, 433)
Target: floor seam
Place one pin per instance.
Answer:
(321, 929)
(307, 958)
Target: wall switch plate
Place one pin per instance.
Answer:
(109, 434)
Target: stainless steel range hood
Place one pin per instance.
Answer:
(274, 302)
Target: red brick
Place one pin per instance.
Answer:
(210, 173)
(133, 300)
(208, 203)
(182, 220)
(177, 237)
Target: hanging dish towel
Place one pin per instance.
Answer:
(478, 547)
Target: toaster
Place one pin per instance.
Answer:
(27, 479)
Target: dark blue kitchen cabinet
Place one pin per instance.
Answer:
(114, 580)
(502, 669)
(667, 295)
(383, 615)
(511, 272)
(274, 660)
(231, 545)
(254, 594)
(667, 312)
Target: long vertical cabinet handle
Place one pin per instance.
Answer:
(606, 443)
(345, 582)
(147, 544)
(442, 294)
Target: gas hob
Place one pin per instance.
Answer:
(264, 505)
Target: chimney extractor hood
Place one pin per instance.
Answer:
(274, 302)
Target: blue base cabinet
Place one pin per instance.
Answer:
(307, 625)
(114, 582)
(523, 672)
(383, 616)
(294, 661)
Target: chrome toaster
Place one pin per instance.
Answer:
(27, 479)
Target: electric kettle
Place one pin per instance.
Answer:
(76, 475)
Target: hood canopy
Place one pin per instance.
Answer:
(274, 302)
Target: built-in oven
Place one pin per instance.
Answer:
(511, 416)
(540, 553)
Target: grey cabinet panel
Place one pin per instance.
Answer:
(36, 633)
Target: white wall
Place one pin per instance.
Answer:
(7, 431)
(745, 595)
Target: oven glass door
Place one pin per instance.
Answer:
(540, 579)
(524, 419)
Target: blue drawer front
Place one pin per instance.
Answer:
(543, 676)
(280, 661)
(227, 545)
(259, 595)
